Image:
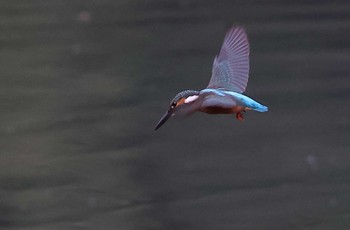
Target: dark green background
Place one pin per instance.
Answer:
(83, 83)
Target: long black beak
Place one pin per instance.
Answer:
(165, 117)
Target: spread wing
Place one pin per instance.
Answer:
(231, 67)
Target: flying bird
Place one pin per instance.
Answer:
(224, 93)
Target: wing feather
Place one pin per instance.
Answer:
(231, 66)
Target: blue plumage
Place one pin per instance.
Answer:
(248, 102)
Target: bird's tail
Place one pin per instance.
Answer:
(259, 107)
(256, 106)
(248, 102)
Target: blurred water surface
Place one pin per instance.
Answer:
(84, 82)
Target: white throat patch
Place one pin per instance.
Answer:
(191, 98)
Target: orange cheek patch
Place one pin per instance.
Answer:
(180, 102)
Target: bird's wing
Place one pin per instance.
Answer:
(231, 67)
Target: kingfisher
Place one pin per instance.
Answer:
(224, 93)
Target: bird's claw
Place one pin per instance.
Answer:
(240, 116)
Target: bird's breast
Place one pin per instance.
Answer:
(216, 102)
(221, 110)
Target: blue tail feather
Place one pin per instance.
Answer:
(248, 102)
(260, 108)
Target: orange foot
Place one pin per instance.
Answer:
(240, 116)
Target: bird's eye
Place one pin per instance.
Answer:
(173, 105)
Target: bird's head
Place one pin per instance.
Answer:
(181, 105)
